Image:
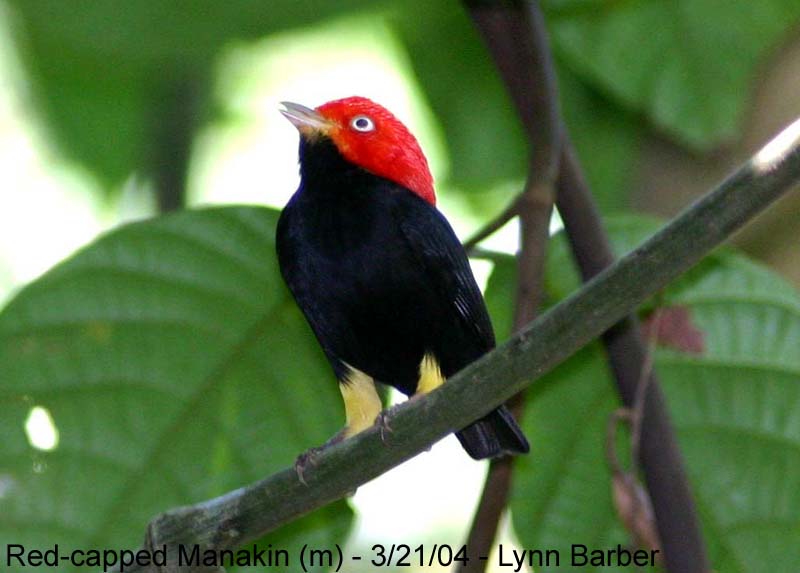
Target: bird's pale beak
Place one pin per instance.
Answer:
(305, 119)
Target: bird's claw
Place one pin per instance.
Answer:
(309, 457)
(382, 421)
(303, 461)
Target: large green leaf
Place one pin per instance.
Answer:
(735, 406)
(606, 139)
(175, 367)
(687, 64)
(482, 133)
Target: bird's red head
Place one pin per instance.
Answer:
(368, 135)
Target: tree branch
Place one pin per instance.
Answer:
(517, 39)
(492, 226)
(248, 513)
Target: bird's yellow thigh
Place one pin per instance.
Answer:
(361, 401)
(430, 375)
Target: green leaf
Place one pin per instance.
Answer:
(175, 367)
(734, 408)
(606, 138)
(482, 132)
(687, 64)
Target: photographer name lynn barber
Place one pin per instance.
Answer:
(579, 555)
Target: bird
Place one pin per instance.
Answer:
(378, 271)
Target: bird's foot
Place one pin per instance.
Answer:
(309, 457)
(382, 421)
(304, 460)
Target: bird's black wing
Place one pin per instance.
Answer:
(444, 263)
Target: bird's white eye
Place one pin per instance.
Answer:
(362, 123)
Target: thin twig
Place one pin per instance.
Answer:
(631, 501)
(492, 226)
(250, 512)
(645, 378)
(487, 254)
(617, 416)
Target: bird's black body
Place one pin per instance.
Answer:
(383, 281)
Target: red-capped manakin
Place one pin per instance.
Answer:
(377, 270)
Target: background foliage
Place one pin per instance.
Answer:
(178, 367)
(734, 406)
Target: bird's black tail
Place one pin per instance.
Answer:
(496, 434)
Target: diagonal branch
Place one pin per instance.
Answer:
(247, 513)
